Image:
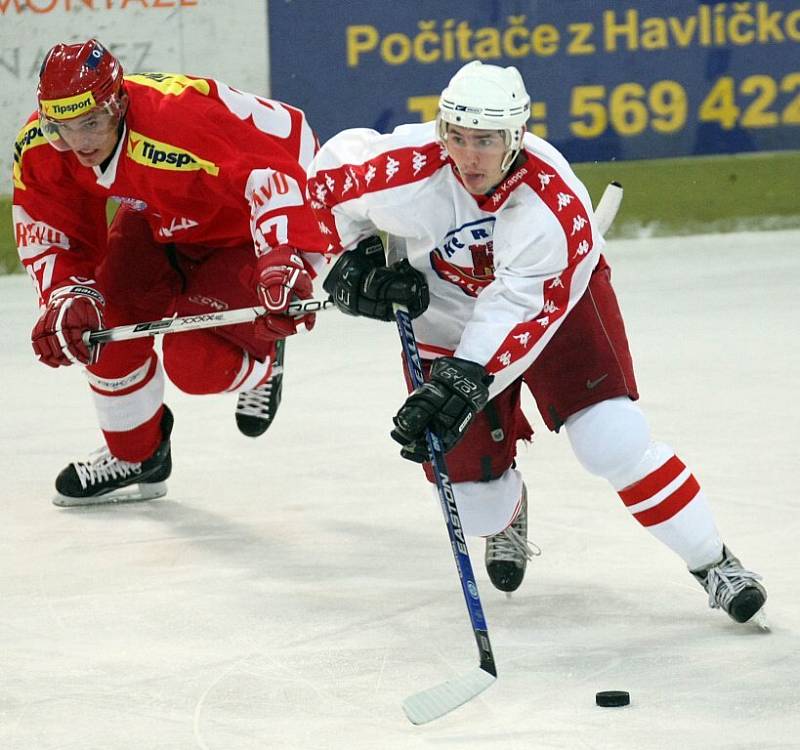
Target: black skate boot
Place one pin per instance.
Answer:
(508, 552)
(733, 589)
(256, 409)
(107, 479)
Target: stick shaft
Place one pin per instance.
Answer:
(448, 503)
(196, 322)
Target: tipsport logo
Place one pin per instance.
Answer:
(152, 153)
(29, 137)
(71, 106)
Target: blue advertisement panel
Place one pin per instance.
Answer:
(613, 80)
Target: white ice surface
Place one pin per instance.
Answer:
(291, 591)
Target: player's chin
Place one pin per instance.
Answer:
(90, 158)
(475, 183)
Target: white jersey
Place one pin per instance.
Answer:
(503, 269)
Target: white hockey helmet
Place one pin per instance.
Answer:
(486, 97)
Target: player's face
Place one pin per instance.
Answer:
(91, 137)
(478, 155)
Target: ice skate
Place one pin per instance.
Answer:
(107, 479)
(508, 552)
(734, 590)
(256, 409)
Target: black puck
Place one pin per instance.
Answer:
(609, 698)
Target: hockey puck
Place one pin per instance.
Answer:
(609, 698)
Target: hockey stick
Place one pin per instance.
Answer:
(607, 206)
(434, 702)
(195, 322)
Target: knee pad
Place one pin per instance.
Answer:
(610, 439)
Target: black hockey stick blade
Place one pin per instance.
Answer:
(439, 700)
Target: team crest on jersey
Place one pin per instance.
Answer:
(135, 204)
(153, 153)
(466, 257)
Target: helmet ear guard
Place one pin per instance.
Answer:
(486, 97)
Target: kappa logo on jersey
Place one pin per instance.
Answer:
(153, 153)
(177, 225)
(470, 243)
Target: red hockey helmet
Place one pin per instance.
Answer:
(76, 79)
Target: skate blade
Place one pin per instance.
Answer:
(759, 619)
(134, 493)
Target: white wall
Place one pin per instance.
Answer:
(215, 38)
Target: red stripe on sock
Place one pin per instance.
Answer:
(670, 505)
(654, 482)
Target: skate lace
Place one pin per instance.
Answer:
(725, 581)
(102, 466)
(256, 402)
(511, 544)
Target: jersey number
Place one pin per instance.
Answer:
(268, 116)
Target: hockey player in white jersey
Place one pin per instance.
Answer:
(507, 284)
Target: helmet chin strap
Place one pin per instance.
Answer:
(508, 160)
(511, 152)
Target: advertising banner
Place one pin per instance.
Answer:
(613, 80)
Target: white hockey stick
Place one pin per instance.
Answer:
(195, 322)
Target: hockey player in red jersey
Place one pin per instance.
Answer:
(210, 183)
(507, 284)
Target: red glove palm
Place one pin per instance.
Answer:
(281, 275)
(57, 337)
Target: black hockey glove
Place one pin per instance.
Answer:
(456, 391)
(361, 284)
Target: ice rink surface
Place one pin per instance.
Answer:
(292, 590)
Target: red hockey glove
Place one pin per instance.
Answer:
(57, 337)
(281, 276)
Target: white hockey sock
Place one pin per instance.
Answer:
(128, 401)
(612, 440)
(670, 504)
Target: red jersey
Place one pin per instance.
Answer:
(207, 165)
